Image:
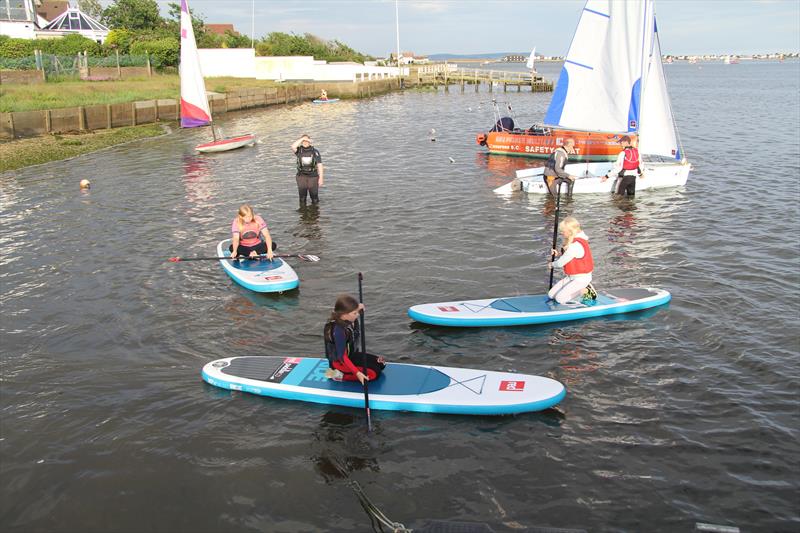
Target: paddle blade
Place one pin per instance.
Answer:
(306, 257)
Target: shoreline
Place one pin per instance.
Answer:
(34, 151)
(79, 136)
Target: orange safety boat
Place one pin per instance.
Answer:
(589, 146)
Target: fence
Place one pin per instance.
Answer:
(79, 66)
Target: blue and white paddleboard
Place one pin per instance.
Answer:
(401, 387)
(535, 309)
(328, 101)
(258, 275)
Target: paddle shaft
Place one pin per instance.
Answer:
(215, 258)
(555, 231)
(364, 352)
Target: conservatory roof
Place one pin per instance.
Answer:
(74, 19)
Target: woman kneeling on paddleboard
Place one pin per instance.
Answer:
(249, 235)
(341, 340)
(576, 260)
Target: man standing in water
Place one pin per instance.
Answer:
(554, 173)
(626, 168)
(310, 173)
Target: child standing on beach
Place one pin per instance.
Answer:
(576, 260)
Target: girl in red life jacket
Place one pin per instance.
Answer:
(342, 344)
(249, 235)
(576, 260)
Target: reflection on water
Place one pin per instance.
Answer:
(308, 226)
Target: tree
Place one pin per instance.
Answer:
(91, 8)
(133, 15)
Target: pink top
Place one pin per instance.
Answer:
(251, 231)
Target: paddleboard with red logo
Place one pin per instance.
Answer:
(259, 275)
(401, 387)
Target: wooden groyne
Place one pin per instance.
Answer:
(447, 75)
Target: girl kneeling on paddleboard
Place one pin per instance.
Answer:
(576, 260)
(249, 235)
(341, 341)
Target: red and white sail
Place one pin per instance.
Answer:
(194, 102)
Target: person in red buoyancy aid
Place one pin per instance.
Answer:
(626, 168)
(576, 260)
(249, 235)
(341, 344)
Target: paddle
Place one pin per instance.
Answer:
(303, 257)
(364, 353)
(555, 228)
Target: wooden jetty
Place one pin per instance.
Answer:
(446, 74)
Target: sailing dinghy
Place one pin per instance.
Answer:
(194, 102)
(628, 63)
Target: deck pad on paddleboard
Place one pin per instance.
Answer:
(535, 309)
(401, 387)
(258, 275)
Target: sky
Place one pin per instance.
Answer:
(485, 26)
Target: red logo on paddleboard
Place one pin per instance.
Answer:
(272, 278)
(448, 309)
(512, 386)
(292, 360)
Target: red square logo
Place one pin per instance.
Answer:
(448, 309)
(292, 360)
(512, 386)
(272, 278)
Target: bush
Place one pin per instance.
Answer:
(120, 39)
(163, 52)
(68, 45)
(16, 48)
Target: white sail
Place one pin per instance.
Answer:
(600, 85)
(531, 59)
(194, 103)
(657, 134)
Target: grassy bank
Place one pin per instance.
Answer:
(85, 93)
(26, 152)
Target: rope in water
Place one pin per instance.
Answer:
(374, 512)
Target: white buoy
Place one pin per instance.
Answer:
(85, 184)
(452, 160)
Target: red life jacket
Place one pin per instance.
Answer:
(583, 265)
(631, 159)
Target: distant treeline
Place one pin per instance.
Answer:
(138, 27)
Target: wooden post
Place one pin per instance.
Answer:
(11, 121)
(108, 116)
(491, 83)
(47, 121)
(149, 69)
(155, 103)
(81, 118)
(119, 70)
(505, 87)
(133, 113)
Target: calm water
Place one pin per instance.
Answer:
(684, 414)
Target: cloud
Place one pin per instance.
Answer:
(427, 6)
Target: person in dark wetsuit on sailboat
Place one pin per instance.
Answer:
(342, 336)
(554, 173)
